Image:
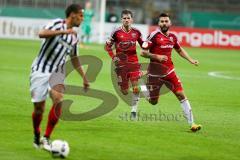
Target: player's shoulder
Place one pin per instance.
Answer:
(54, 23)
(172, 35)
(153, 34)
(58, 20)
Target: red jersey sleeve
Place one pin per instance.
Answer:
(109, 43)
(140, 39)
(176, 42)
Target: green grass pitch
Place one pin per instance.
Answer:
(215, 102)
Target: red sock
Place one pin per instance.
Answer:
(53, 117)
(36, 119)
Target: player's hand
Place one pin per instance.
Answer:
(109, 41)
(194, 62)
(115, 60)
(161, 58)
(70, 31)
(85, 84)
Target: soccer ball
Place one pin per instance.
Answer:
(60, 148)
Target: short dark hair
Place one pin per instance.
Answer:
(126, 11)
(72, 8)
(164, 15)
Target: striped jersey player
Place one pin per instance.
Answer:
(59, 41)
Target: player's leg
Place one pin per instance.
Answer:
(134, 74)
(39, 91)
(37, 115)
(88, 38)
(56, 94)
(83, 35)
(82, 41)
(154, 86)
(122, 78)
(135, 98)
(123, 84)
(177, 89)
(88, 32)
(187, 109)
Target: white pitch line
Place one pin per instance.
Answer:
(218, 74)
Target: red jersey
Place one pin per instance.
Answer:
(160, 44)
(125, 43)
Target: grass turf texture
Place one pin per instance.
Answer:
(215, 103)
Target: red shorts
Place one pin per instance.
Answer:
(129, 71)
(155, 85)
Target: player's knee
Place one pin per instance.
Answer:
(57, 98)
(180, 95)
(39, 107)
(39, 110)
(153, 101)
(124, 92)
(136, 90)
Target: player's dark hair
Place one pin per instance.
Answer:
(126, 11)
(164, 15)
(72, 8)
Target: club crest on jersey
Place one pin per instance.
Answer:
(171, 39)
(134, 35)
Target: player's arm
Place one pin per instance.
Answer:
(111, 50)
(184, 53)
(54, 28)
(186, 56)
(140, 39)
(77, 65)
(47, 33)
(109, 47)
(147, 54)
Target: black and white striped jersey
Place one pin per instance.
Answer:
(54, 50)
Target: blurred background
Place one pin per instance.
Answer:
(214, 14)
(211, 14)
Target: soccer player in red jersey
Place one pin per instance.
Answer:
(125, 57)
(158, 48)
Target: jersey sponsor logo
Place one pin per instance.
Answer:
(126, 44)
(166, 46)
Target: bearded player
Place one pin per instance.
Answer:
(125, 57)
(158, 48)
